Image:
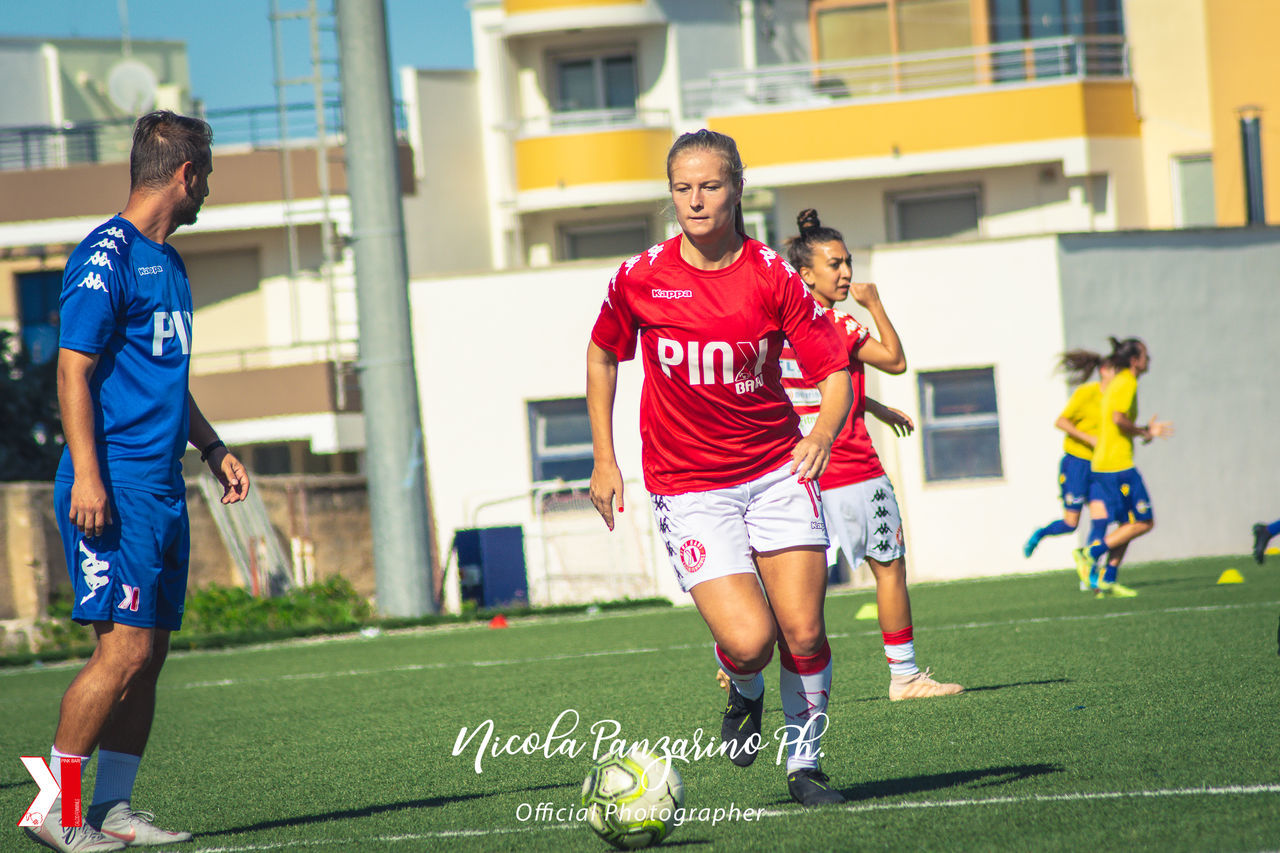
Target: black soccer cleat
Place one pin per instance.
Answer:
(740, 729)
(811, 787)
(1261, 536)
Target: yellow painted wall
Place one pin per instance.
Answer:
(568, 160)
(1244, 69)
(521, 7)
(996, 117)
(1170, 68)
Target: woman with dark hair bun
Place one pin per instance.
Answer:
(859, 504)
(1118, 492)
(1080, 421)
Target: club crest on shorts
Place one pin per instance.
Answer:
(693, 554)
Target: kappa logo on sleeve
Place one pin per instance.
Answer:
(115, 232)
(100, 259)
(93, 281)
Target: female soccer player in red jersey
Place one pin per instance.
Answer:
(861, 509)
(732, 480)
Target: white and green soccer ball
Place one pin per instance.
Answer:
(633, 800)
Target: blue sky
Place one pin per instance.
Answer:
(229, 41)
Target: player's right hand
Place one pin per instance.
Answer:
(606, 482)
(90, 510)
(864, 293)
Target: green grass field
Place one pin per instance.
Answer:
(1150, 723)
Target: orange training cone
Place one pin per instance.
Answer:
(498, 621)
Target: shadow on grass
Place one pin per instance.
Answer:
(367, 811)
(884, 697)
(984, 778)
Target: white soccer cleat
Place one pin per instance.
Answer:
(70, 839)
(137, 829)
(920, 685)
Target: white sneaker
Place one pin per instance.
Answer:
(137, 829)
(70, 839)
(920, 685)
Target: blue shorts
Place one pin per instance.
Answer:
(1074, 477)
(135, 572)
(1124, 494)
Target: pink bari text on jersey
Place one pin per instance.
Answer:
(740, 364)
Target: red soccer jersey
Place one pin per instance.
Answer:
(713, 412)
(853, 456)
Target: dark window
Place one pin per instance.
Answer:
(38, 295)
(960, 424)
(560, 440)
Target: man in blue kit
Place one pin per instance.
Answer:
(127, 413)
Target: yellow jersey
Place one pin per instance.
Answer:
(1083, 410)
(1115, 447)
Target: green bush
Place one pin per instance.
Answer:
(331, 604)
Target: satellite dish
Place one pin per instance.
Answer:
(132, 86)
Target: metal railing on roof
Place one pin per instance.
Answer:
(108, 140)
(585, 121)
(904, 75)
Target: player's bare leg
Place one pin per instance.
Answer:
(796, 580)
(893, 605)
(742, 624)
(122, 653)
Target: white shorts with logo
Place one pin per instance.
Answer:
(713, 534)
(864, 521)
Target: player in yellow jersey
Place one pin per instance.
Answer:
(1079, 420)
(1118, 493)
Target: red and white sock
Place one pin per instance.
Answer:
(750, 683)
(55, 764)
(900, 649)
(805, 685)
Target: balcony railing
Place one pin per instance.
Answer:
(109, 140)
(586, 121)
(907, 75)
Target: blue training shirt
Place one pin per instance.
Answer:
(128, 299)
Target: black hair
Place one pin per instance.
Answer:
(162, 142)
(1123, 352)
(812, 233)
(722, 144)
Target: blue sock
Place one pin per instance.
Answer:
(1110, 575)
(1057, 528)
(1274, 527)
(1097, 538)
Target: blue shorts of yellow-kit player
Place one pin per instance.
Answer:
(1123, 493)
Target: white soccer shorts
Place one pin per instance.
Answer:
(713, 534)
(864, 521)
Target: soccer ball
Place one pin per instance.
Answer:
(632, 800)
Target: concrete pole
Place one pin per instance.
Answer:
(393, 432)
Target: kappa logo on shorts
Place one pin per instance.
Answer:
(693, 554)
(92, 568)
(130, 600)
(1142, 506)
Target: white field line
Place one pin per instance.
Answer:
(853, 808)
(1034, 620)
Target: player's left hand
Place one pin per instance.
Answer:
(810, 456)
(898, 420)
(231, 474)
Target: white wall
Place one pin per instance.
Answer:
(991, 303)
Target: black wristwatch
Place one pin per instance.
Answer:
(212, 446)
